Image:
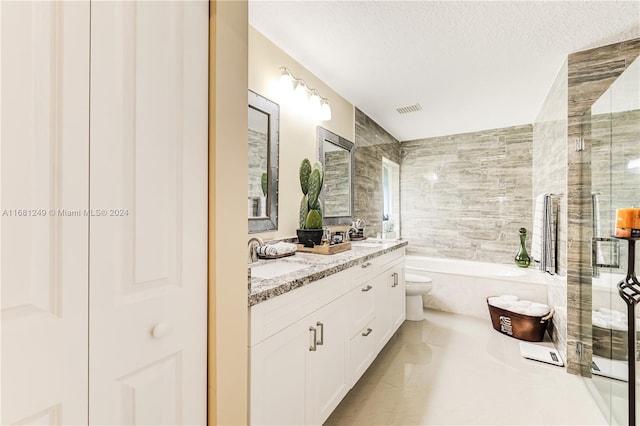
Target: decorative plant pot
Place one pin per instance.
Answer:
(310, 237)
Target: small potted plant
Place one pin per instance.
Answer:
(310, 232)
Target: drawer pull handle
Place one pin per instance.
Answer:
(313, 346)
(367, 288)
(366, 333)
(366, 265)
(395, 279)
(321, 327)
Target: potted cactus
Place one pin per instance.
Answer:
(310, 232)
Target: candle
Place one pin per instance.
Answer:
(628, 222)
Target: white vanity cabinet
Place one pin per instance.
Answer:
(297, 367)
(298, 376)
(309, 346)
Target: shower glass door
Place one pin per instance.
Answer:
(613, 128)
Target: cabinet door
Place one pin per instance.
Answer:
(382, 284)
(279, 374)
(361, 351)
(398, 297)
(148, 247)
(327, 364)
(390, 302)
(44, 196)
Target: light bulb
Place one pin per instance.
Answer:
(286, 81)
(301, 95)
(325, 111)
(315, 104)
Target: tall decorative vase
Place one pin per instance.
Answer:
(522, 257)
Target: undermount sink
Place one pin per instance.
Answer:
(275, 269)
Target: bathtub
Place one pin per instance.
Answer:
(462, 286)
(604, 291)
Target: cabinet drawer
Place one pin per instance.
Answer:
(361, 351)
(268, 318)
(372, 267)
(360, 307)
(365, 271)
(385, 260)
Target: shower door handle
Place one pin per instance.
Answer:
(594, 252)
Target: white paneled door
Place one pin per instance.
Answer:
(44, 131)
(104, 212)
(148, 235)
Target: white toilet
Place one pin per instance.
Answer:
(416, 286)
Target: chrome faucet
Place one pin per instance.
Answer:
(253, 254)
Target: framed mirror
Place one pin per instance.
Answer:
(337, 158)
(262, 200)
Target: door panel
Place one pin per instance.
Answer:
(398, 297)
(327, 364)
(279, 376)
(152, 394)
(44, 197)
(149, 206)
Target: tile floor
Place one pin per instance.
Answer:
(612, 396)
(454, 369)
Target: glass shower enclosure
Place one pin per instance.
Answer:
(612, 126)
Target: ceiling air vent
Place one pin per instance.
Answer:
(408, 109)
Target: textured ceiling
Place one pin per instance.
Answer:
(471, 65)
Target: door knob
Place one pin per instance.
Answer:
(160, 330)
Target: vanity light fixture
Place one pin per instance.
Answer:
(318, 106)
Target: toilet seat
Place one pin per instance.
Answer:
(416, 279)
(413, 289)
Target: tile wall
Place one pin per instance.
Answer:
(372, 143)
(466, 196)
(617, 185)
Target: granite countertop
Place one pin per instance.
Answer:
(318, 266)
